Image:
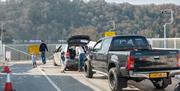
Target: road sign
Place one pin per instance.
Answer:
(33, 49)
(110, 33)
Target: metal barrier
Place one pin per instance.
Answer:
(19, 52)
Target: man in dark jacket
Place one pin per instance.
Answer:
(43, 48)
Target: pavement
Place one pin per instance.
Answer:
(49, 78)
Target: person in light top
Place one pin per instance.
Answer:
(81, 54)
(33, 58)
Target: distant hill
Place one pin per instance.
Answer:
(59, 19)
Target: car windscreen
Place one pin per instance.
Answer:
(129, 43)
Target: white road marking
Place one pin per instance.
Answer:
(94, 85)
(50, 81)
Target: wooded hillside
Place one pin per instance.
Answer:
(58, 19)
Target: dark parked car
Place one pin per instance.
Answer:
(125, 58)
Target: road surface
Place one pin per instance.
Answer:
(48, 78)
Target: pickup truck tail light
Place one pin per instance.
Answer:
(178, 60)
(67, 54)
(130, 64)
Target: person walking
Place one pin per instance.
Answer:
(43, 48)
(81, 54)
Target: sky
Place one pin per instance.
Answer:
(140, 2)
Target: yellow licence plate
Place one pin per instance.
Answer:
(158, 75)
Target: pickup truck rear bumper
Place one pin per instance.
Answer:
(146, 74)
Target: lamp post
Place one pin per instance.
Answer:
(114, 25)
(2, 28)
(167, 23)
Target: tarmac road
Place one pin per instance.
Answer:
(48, 78)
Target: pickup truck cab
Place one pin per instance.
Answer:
(126, 58)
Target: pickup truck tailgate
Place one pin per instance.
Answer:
(155, 60)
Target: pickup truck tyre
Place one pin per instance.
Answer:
(116, 83)
(88, 69)
(160, 83)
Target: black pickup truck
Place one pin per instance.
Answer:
(126, 58)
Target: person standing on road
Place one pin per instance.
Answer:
(63, 62)
(80, 53)
(33, 58)
(43, 48)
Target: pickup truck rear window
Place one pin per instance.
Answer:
(129, 43)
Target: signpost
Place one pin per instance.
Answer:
(1, 48)
(33, 49)
(109, 33)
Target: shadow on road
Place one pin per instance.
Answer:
(37, 82)
(20, 68)
(40, 83)
(146, 85)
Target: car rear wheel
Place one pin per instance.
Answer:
(88, 69)
(116, 83)
(54, 63)
(160, 83)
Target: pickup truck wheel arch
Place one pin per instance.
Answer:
(120, 72)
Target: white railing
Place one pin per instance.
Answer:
(171, 43)
(20, 51)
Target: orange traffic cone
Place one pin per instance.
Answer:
(8, 85)
(6, 69)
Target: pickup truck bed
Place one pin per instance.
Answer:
(153, 60)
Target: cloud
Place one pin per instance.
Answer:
(139, 2)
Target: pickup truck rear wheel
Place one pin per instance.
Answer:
(160, 83)
(116, 83)
(88, 69)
